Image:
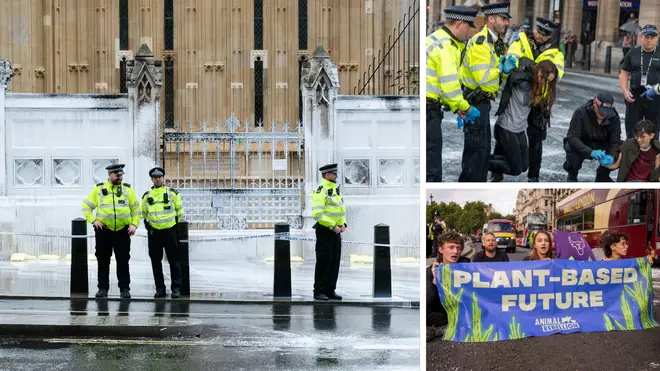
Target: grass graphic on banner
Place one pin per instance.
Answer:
(641, 295)
(477, 336)
(514, 330)
(450, 303)
(627, 314)
(608, 323)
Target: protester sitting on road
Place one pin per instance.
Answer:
(490, 253)
(594, 132)
(615, 246)
(527, 85)
(639, 157)
(541, 248)
(450, 248)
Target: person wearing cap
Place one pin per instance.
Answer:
(162, 210)
(594, 132)
(117, 218)
(330, 214)
(436, 229)
(638, 79)
(545, 47)
(443, 89)
(480, 76)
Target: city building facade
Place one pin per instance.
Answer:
(539, 200)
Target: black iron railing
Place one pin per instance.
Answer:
(395, 69)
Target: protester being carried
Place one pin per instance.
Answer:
(490, 253)
(594, 132)
(541, 248)
(639, 159)
(450, 247)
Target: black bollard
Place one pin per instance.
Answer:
(382, 268)
(79, 279)
(182, 234)
(608, 59)
(570, 52)
(282, 271)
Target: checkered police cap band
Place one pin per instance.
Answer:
(460, 17)
(544, 27)
(496, 11)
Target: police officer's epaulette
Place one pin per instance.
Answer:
(453, 43)
(481, 39)
(127, 185)
(319, 189)
(145, 193)
(174, 191)
(99, 184)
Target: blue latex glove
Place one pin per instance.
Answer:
(509, 65)
(459, 122)
(607, 160)
(473, 115)
(516, 36)
(598, 154)
(650, 93)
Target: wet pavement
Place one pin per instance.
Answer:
(233, 337)
(241, 280)
(573, 91)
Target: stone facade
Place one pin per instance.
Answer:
(543, 200)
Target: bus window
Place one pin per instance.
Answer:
(637, 207)
(589, 218)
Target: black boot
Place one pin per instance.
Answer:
(160, 293)
(334, 296)
(102, 293)
(176, 294)
(321, 297)
(125, 294)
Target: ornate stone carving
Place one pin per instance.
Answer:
(67, 172)
(73, 67)
(219, 66)
(259, 55)
(390, 172)
(98, 169)
(353, 66)
(416, 176)
(281, 85)
(83, 67)
(123, 55)
(320, 72)
(237, 85)
(40, 72)
(17, 69)
(356, 172)
(144, 74)
(6, 72)
(29, 172)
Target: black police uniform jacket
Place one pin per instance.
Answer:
(585, 134)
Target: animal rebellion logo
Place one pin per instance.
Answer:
(577, 245)
(557, 324)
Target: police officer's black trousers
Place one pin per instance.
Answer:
(434, 116)
(574, 162)
(641, 109)
(476, 147)
(165, 239)
(106, 241)
(511, 155)
(536, 137)
(328, 257)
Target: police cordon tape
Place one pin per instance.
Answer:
(278, 236)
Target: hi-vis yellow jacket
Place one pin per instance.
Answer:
(522, 48)
(162, 207)
(116, 206)
(443, 57)
(480, 63)
(328, 205)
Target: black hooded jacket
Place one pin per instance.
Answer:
(585, 134)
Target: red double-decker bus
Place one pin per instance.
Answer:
(631, 211)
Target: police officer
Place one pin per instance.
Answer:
(162, 210)
(117, 219)
(330, 214)
(480, 76)
(641, 68)
(545, 46)
(443, 89)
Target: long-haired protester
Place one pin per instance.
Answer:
(541, 247)
(528, 85)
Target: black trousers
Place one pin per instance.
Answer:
(476, 147)
(536, 137)
(165, 239)
(434, 116)
(106, 241)
(328, 257)
(511, 154)
(574, 162)
(641, 109)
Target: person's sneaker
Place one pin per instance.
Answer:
(125, 294)
(334, 296)
(102, 293)
(176, 294)
(160, 293)
(321, 297)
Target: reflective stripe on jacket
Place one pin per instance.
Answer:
(480, 63)
(443, 57)
(328, 205)
(522, 48)
(116, 206)
(159, 211)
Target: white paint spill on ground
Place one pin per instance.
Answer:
(655, 272)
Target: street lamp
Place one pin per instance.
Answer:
(431, 198)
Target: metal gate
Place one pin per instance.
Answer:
(246, 177)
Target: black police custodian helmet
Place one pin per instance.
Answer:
(157, 171)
